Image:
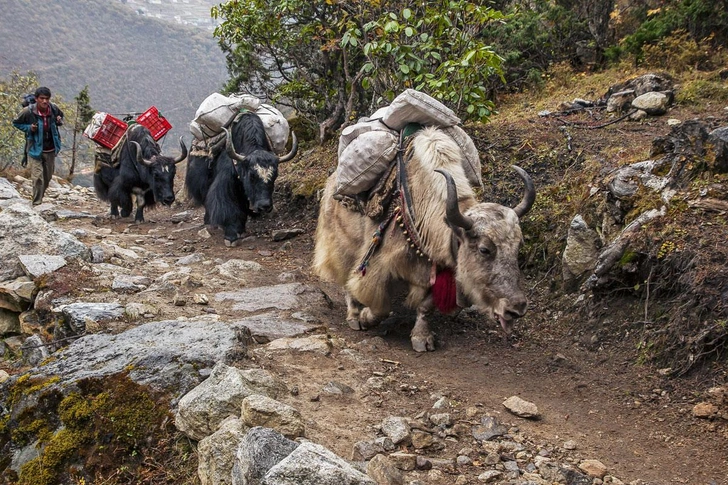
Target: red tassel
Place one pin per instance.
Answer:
(444, 291)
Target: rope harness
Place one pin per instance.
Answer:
(403, 211)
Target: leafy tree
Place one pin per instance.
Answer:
(11, 96)
(333, 61)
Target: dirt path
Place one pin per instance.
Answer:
(638, 423)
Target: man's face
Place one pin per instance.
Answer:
(43, 102)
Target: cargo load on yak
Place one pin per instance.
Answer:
(218, 111)
(109, 133)
(367, 155)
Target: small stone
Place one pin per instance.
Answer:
(570, 445)
(705, 410)
(593, 468)
(521, 408)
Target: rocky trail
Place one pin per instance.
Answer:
(600, 418)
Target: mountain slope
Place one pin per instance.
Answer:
(129, 62)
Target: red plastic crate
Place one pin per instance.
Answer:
(111, 131)
(156, 123)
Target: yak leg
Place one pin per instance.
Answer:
(139, 217)
(354, 317)
(114, 213)
(372, 292)
(421, 336)
(125, 204)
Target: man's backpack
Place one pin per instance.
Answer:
(28, 99)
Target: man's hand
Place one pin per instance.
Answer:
(34, 127)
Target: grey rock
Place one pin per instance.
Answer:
(17, 295)
(620, 101)
(201, 410)
(34, 350)
(283, 234)
(25, 232)
(397, 429)
(68, 214)
(8, 194)
(365, 450)
(78, 315)
(130, 283)
(282, 297)
(652, 103)
(216, 453)
(381, 469)
(190, 259)
(9, 322)
(312, 464)
(271, 326)
(488, 429)
(36, 265)
(166, 355)
(259, 410)
(581, 253)
(258, 451)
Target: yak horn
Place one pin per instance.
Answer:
(184, 152)
(230, 149)
(294, 149)
(452, 211)
(139, 157)
(529, 196)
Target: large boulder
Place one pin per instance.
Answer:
(27, 233)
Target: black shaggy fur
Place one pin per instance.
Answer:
(232, 190)
(149, 184)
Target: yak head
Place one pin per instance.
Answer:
(161, 171)
(257, 172)
(488, 238)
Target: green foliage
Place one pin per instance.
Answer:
(436, 47)
(700, 18)
(12, 90)
(336, 61)
(533, 37)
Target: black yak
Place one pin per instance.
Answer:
(142, 171)
(237, 181)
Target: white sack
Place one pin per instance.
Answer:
(365, 151)
(276, 127)
(417, 107)
(217, 110)
(471, 159)
(95, 125)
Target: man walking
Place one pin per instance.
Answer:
(40, 121)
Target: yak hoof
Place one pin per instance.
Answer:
(232, 244)
(423, 343)
(354, 324)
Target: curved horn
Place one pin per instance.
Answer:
(294, 149)
(529, 196)
(229, 147)
(184, 152)
(452, 211)
(139, 157)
